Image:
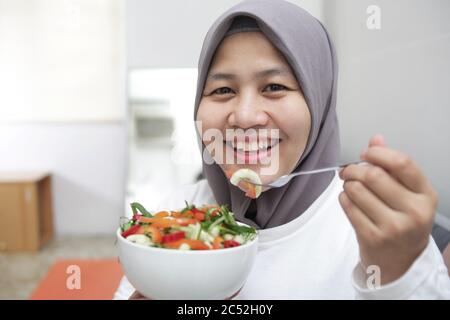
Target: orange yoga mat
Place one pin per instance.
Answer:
(80, 280)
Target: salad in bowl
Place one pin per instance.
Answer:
(190, 253)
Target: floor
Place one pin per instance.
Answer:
(21, 272)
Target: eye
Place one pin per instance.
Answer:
(222, 91)
(275, 87)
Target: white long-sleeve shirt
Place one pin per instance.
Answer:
(316, 256)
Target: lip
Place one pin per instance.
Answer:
(252, 157)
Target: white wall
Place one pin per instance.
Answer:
(62, 105)
(87, 162)
(396, 80)
(169, 34)
(61, 60)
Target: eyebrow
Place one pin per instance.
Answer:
(261, 74)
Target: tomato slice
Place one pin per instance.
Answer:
(230, 244)
(136, 229)
(200, 216)
(173, 236)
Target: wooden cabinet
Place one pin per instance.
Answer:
(26, 217)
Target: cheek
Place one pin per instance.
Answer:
(295, 121)
(209, 116)
(211, 123)
(302, 127)
(296, 126)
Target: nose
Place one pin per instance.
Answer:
(248, 113)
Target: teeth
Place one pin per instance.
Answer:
(263, 144)
(253, 146)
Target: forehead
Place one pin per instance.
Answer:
(249, 48)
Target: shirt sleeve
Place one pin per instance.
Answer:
(427, 278)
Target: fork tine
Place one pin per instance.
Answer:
(256, 184)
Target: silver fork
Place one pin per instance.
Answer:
(281, 181)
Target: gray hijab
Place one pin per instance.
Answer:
(305, 44)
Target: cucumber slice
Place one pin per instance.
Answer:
(205, 236)
(192, 231)
(228, 236)
(239, 239)
(215, 231)
(140, 239)
(251, 190)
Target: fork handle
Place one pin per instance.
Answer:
(327, 169)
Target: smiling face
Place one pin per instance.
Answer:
(251, 90)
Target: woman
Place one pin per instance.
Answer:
(270, 65)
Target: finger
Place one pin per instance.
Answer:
(400, 165)
(369, 203)
(377, 140)
(361, 223)
(382, 184)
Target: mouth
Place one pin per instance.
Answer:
(252, 150)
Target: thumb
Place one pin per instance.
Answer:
(377, 140)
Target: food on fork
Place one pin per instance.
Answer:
(248, 181)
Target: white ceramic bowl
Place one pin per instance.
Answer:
(165, 274)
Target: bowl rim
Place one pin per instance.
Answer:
(177, 251)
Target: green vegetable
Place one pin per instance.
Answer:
(125, 226)
(228, 216)
(197, 231)
(224, 230)
(208, 213)
(136, 206)
(216, 223)
(205, 229)
(188, 207)
(240, 229)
